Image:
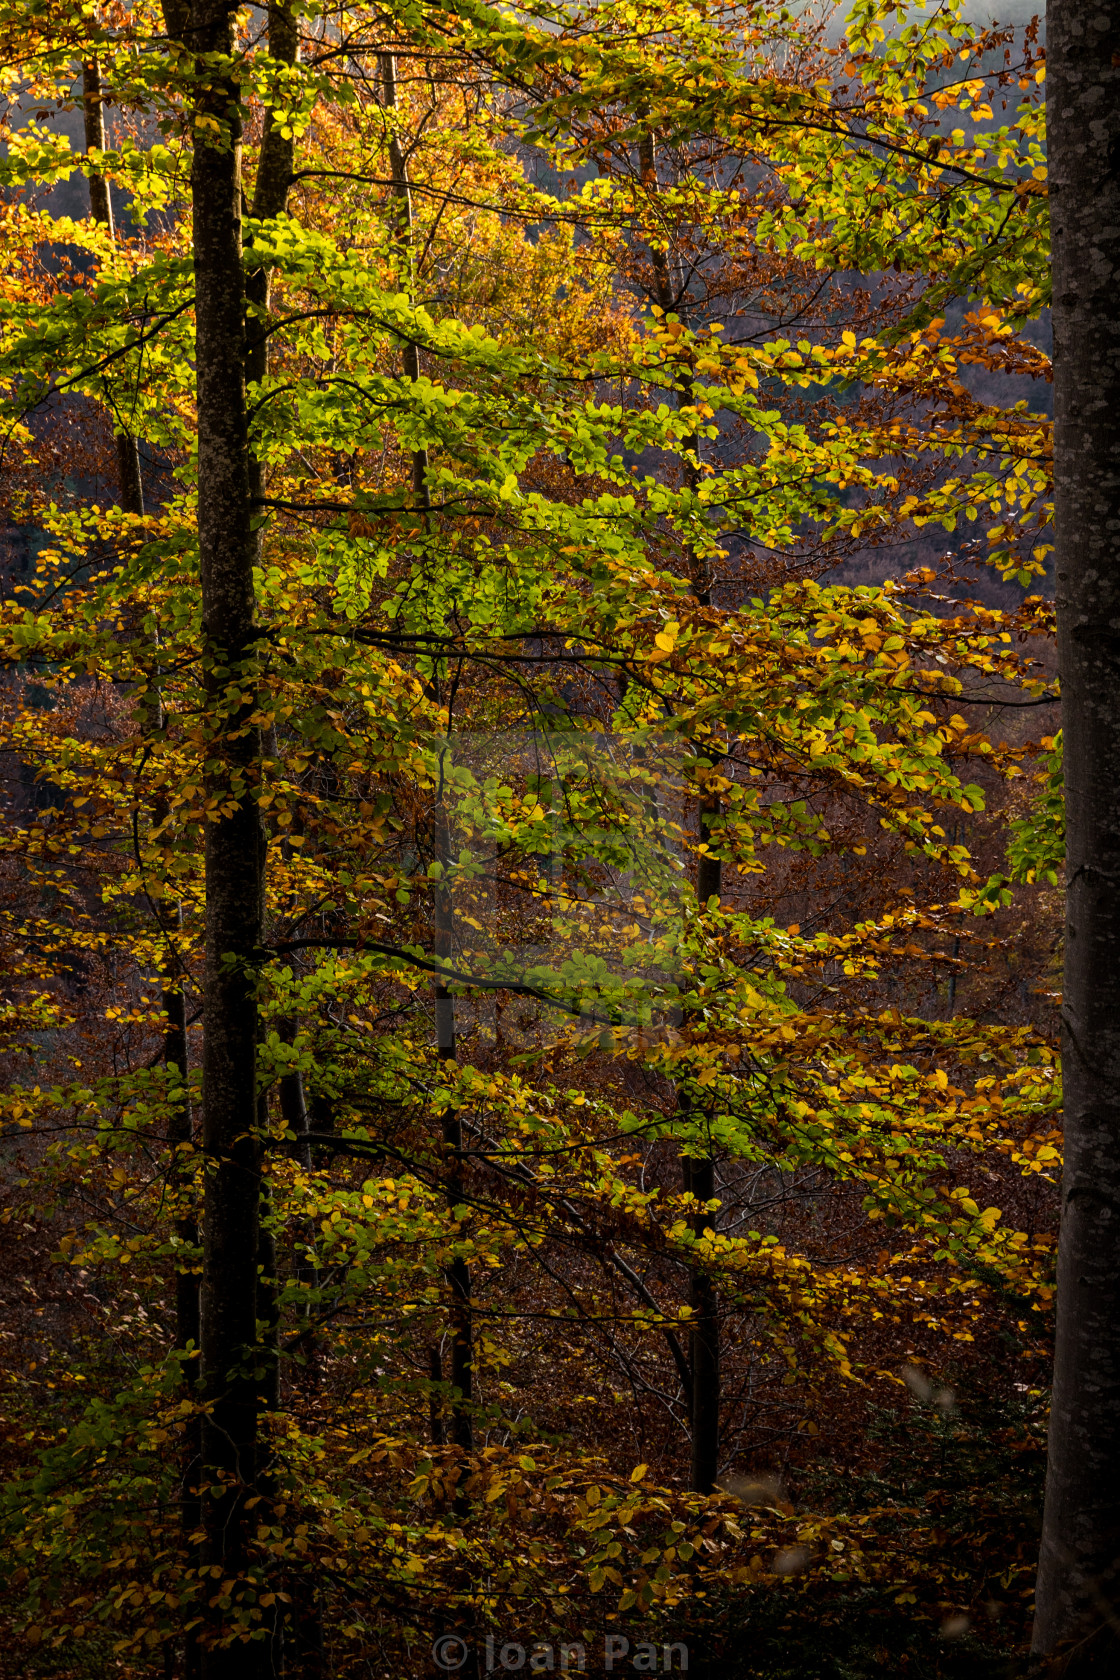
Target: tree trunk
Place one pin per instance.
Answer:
(101, 209)
(699, 1172)
(703, 1335)
(1079, 1571)
(180, 1125)
(458, 1276)
(298, 1645)
(293, 1109)
(180, 1138)
(270, 195)
(180, 1132)
(703, 1345)
(93, 110)
(435, 1403)
(233, 841)
(458, 1273)
(398, 165)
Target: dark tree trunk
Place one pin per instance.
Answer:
(178, 21)
(458, 1273)
(703, 1336)
(101, 209)
(435, 1405)
(180, 1130)
(180, 1138)
(459, 1284)
(297, 1121)
(93, 110)
(275, 166)
(180, 1124)
(233, 842)
(458, 1277)
(699, 1172)
(703, 1346)
(297, 1645)
(647, 168)
(402, 191)
(1079, 1570)
(268, 1311)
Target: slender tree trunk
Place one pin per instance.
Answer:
(459, 1285)
(699, 1172)
(268, 1290)
(647, 168)
(188, 1332)
(402, 190)
(704, 1349)
(275, 166)
(180, 1142)
(233, 841)
(93, 109)
(435, 1405)
(293, 1110)
(268, 1370)
(1079, 1571)
(180, 1133)
(293, 1101)
(101, 209)
(180, 1125)
(268, 1378)
(298, 1646)
(458, 1273)
(458, 1276)
(703, 1345)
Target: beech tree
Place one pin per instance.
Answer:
(1080, 1561)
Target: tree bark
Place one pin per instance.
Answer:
(297, 1644)
(458, 1276)
(180, 1124)
(93, 110)
(703, 1344)
(101, 209)
(699, 1172)
(458, 1272)
(297, 1121)
(180, 1138)
(233, 841)
(275, 166)
(1078, 1610)
(703, 1337)
(402, 190)
(435, 1403)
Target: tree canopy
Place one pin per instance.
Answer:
(532, 829)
